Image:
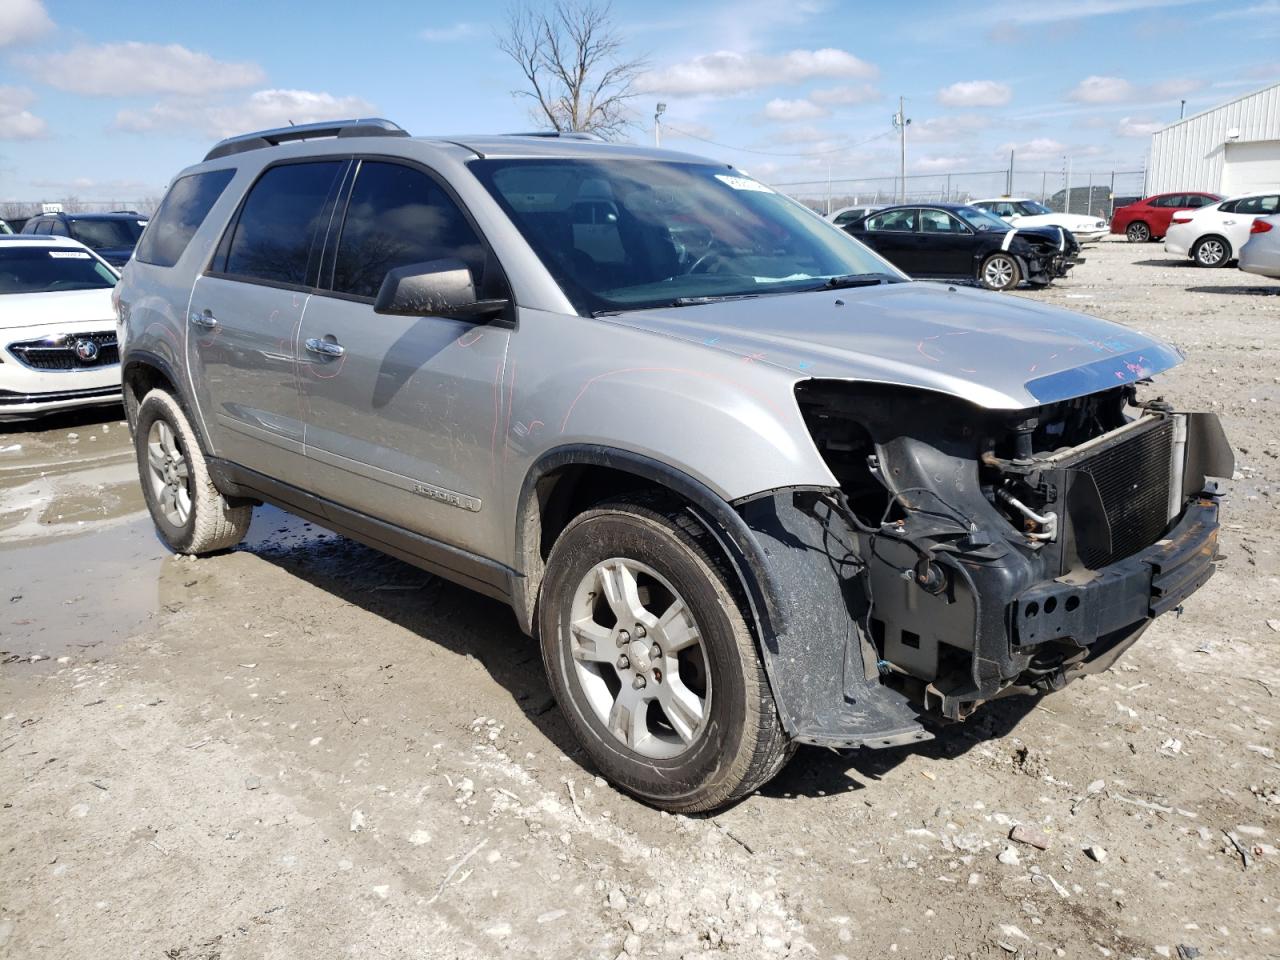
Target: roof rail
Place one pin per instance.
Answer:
(562, 134)
(367, 127)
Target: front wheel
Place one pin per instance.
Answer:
(1138, 232)
(190, 515)
(1211, 252)
(651, 657)
(999, 272)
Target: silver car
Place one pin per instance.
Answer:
(748, 485)
(1261, 252)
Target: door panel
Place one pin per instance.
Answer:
(240, 352)
(403, 425)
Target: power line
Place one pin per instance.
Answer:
(774, 153)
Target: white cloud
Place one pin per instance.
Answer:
(112, 189)
(845, 96)
(16, 121)
(938, 164)
(1102, 90)
(447, 34)
(1035, 151)
(947, 128)
(259, 111)
(1177, 87)
(1132, 127)
(975, 93)
(727, 72)
(22, 21)
(1020, 12)
(122, 69)
(785, 111)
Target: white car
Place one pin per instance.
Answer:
(846, 215)
(1031, 213)
(1261, 253)
(1213, 235)
(58, 346)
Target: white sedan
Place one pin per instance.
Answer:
(1261, 254)
(1031, 213)
(1213, 235)
(58, 345)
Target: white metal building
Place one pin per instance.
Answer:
(1231, 149)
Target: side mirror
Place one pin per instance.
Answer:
(436, 288)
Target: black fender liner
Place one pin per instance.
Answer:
(801, 589)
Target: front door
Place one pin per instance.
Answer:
(402, 413)
(243, 320)
(946, 247)
(892, 234)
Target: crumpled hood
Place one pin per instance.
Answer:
(996, 350)
(57, 307)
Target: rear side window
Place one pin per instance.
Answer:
(397, 216)
(895, 221)
(282, 223)
(180, 215)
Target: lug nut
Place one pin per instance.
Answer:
(638, 682)
(640, 630)
(623, 638)
(623, 663)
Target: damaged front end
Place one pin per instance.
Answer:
(969, 553)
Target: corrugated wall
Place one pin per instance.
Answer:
(1188, 155)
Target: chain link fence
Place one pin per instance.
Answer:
(1091, 192)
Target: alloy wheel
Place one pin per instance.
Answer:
(639, 658)
(1210, 252)
(169, 473)
(998, 272)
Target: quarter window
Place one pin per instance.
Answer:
(397, 216)
(281, 225)
(180, 215)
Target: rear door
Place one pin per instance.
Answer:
(243, 319)
(892, 234)
(402, 412)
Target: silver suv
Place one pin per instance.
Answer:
(747, 484)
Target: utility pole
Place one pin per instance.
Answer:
(1008, 184)
(900, 121)
(1182, 112)
(657, 124)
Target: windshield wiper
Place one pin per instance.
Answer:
(857, 280)
(698, 301)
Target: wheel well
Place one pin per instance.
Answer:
(556, 497)
(139, 379)
(1214, 236)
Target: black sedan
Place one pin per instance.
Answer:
(951, 240)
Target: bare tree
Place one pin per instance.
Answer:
(571, 57)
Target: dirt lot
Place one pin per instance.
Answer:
(302, 749)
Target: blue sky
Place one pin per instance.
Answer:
(108, 100)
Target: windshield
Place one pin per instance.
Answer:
(980, 219)
(45, 270)
(630, 234)
(1032, 209)
(107, 234)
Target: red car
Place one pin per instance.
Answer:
(1148, 219)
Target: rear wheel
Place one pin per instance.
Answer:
(651, 657)
(1138, 232)
(190, 514)
(1211, 251)
(999, 272)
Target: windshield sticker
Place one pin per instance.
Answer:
(142, 223)
(69, 255)
(742, 183)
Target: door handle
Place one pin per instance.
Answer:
(205, 320)
(326, 348)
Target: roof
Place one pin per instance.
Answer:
(40, 240)
(1217, 107)
(113, 215)
(536, 145)
(1001, 200)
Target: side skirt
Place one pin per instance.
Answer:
(460, 566)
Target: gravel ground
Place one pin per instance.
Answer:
(301, 748)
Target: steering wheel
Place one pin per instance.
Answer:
(706, 262)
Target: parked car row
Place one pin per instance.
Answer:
(1214, 234)
(112, 235)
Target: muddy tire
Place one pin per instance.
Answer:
(1000, 271)
(190, 515)
(651, 656)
